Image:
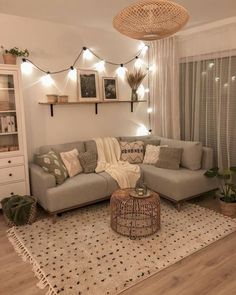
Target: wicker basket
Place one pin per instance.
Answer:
(228, 209)
(32, 217)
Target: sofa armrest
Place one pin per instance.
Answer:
(207, 158)
(41, 181)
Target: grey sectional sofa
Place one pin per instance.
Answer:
(83, 189)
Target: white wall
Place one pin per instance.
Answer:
(55, 46)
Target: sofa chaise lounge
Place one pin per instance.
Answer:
(83, 189)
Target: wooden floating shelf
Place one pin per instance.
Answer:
(8, 133)
(96, 103)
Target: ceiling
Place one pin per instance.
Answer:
(99, 13)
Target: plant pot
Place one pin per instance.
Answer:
(9, 59)
(228, 209)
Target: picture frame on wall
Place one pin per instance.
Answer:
(110, 88)
(88, 85)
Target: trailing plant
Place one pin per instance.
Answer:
(16, 51)
(226, 186)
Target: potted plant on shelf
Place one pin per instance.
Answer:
(10, 55)
(134, 80)
(227, 189)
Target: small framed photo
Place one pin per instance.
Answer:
(88, 85)
(110, 88)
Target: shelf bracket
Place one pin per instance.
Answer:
(51, 110)
(132, 107)
(96, 108)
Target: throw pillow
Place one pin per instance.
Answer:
(72, 163)
(51, 163)
(154, 142)
(132, 152)
(169, 158)
(151, 154)
(88, 160)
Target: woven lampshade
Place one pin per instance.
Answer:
(151, 19)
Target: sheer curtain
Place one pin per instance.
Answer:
(208, 92)
(165, 88)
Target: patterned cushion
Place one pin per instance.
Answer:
(72, 163)
(151, 154)
(88, 160)
(132, 152)
(169, 158)
(52, 163)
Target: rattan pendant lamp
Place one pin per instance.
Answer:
(150, 20)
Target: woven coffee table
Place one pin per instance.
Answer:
(135, 217)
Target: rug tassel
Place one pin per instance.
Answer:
(23, 252)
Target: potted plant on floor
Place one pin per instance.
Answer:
(10, 55)
(227, 189)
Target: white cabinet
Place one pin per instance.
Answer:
(14, 176)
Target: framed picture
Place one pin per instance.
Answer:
(88, 85)
(110, 88)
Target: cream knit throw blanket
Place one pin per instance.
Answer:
(109, 153)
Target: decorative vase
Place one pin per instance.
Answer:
(9, 59)
(134, 95)
(228, 209)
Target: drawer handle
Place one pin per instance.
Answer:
(10, 174)
(9, 161)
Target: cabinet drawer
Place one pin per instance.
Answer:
(11, 161)
(12, 174)
(8, 190)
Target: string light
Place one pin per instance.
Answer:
(143, 48)
(47, 80)
(141, 91)
(121, 71)
(233, 78)
(147, 90)
(26, 67)
(211, 65)
(138, 63)
(226, 85)
(72, 74)
(100, 66)
(152, 68)
(149, 110)
(87, 53)
(217, 79)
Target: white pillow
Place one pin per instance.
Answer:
(152, 154)
(72, 163)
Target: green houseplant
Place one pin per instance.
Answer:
(10, 55)
(227, 189)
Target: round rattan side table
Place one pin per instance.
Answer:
(135, 217)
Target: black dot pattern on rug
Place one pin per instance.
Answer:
(80, 254)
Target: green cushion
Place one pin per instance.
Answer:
(52, 163)
(88, 161)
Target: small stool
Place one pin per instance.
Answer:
(135, 217)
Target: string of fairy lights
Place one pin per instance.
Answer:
(28, 65)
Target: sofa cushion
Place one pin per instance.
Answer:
(169, 158)
(192, 152)
(71, 161)
(134, 138)
(79, 145)
(177, 184)
(52, 164)
(88, 161)
(132, 152)
(90, 146)
(151, 154)
(81, 189)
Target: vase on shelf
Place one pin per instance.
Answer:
(134, 95)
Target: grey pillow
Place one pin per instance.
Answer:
(169, 158)
(88, 161)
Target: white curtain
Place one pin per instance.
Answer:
(208, 91)
(165, 88)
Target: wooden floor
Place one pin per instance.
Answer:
(211, 271)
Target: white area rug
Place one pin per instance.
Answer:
(80, 254)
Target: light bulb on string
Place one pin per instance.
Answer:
(152, 68)
(47, 80)
(147, 90)
(233, 78)
(100, 66)
(143, 48)
(149, 110)
(26, 67)
(72, 74)
(87, 53)
(121, 71)
(138, 62)
(141, 91)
